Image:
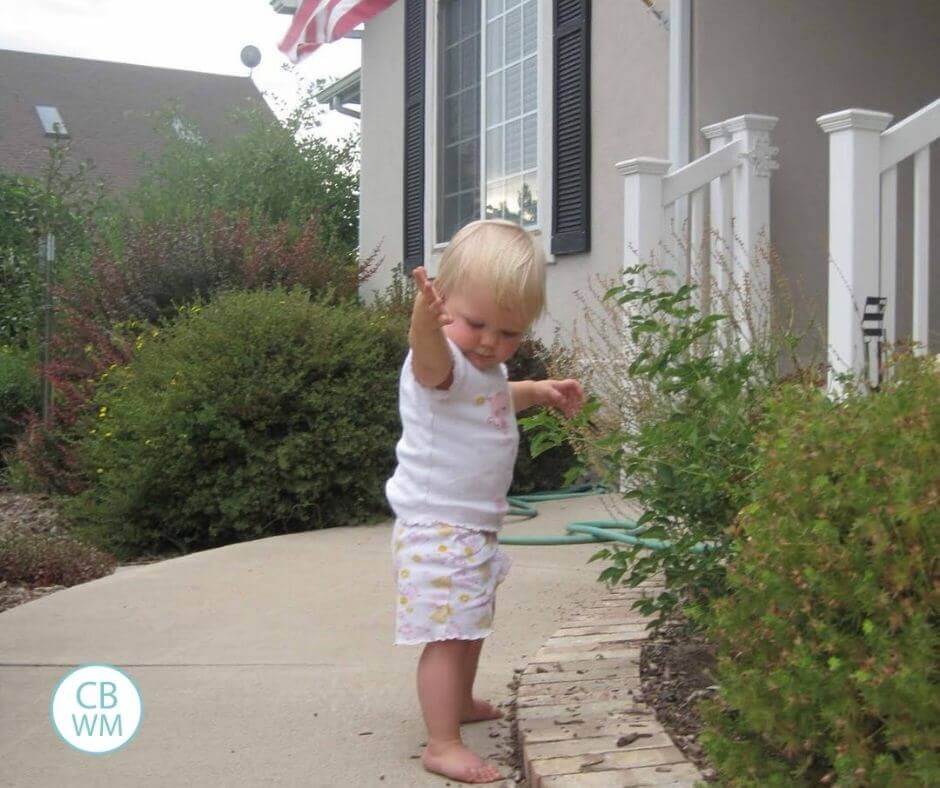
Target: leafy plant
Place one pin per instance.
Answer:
(260, 413)
(828, 641)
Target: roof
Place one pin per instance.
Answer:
(345, 88)
(105, 108)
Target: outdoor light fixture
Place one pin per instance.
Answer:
(873, 331)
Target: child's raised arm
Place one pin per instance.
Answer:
(431, 360)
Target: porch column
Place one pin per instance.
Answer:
(751, 223)
(854, 194)
(642, 208)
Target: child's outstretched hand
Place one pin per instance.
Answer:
(564, 395)
(429, 305)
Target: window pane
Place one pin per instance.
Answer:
(513, 91)
(513, 195)
(530, 148)
(451, 115)
(513, 34)
(494, 44)
(494, 99)
(450, 217)
(530, 198)
(495, 200)
(458, 184)
(449, 175)
(493, 7)
(494, 153)
(451, 24)
(529, 27)
(469, 113)
(469, 166)
(530, 91)
(469, 207)
(513, 147)
(470, 61)
(469, 17)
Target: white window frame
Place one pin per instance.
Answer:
(543, 231)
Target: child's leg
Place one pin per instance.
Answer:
(441, 683)
(474, 710)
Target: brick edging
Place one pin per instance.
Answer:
(577, 722)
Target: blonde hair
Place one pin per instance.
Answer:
(500, 256)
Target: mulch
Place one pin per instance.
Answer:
(675, 671)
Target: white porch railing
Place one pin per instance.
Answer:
(734, 175)
(863, 161)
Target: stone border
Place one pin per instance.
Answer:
(580, 717)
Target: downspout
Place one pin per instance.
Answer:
(680, 81)
(337, 103)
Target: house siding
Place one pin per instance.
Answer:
(799, 60)
(629, 86)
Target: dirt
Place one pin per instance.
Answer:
(675, 670)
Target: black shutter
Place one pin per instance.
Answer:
(413, 208)
(571, 135)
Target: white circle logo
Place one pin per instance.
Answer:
(96, 708)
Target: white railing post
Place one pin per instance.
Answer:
(720, 236)
(919, 322)
(642, 208)
(751, 201)
(854, 180)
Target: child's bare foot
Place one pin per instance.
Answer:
(454, 760)
(480, 710)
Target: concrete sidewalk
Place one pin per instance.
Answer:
(269, 662)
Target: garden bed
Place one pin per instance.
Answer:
(34, 514)
(675, 671)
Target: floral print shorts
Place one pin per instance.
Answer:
(447, 576)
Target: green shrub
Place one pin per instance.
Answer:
(828, 644)
(20, 390)
(686, 451)
(261, 413)
(41, 560)
(545, 470)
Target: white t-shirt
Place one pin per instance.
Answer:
(458, 447)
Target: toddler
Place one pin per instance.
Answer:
(455, 464)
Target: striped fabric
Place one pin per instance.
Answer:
(321, 21)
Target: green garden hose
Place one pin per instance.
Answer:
(585, 531)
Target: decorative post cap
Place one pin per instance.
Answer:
(751, 123)
(643, 166)
(867, 119)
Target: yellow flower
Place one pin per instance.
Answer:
(442, 548)
(107, 434)
(403, 600)
(101, 470)
(465, 597)
(405, 573)
(154, 333)
(147, 442)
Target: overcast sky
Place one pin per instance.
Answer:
(196, 35)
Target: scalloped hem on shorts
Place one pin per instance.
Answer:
(423, 641)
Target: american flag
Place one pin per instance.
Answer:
(321, 21)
